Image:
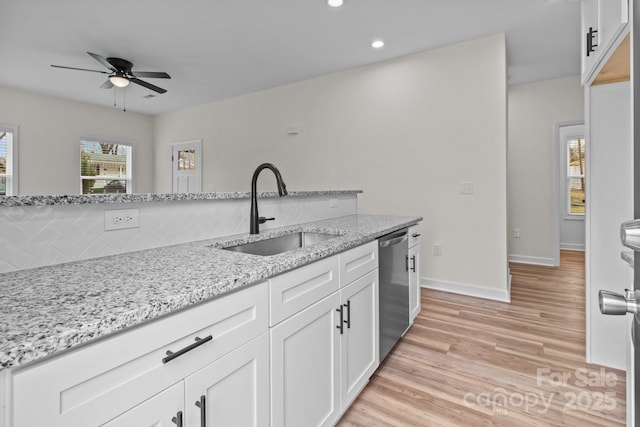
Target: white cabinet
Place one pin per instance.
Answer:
(96, 383)
(232, 391)
(305, 367)
(413, 264)
(359, 340)
(162, 410)
(323, 356)
(603, 21)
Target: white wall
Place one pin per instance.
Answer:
(49, 130)
(533, 110)
(610, 193)
(406, 131)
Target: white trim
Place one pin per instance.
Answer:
(571, 247)
(587, 224)
(130, 172)
(12, 156)
(558, 191)
(466, 289)
(525, 259)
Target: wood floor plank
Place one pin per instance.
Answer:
(473, 362)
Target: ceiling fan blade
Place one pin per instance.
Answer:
(147, 85)
(151, 74)
(80, 69)
(106, 85)
(101, 60)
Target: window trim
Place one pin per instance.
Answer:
(567, 178)
(129, 165)
(12, 155)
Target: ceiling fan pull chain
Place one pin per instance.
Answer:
(114, 97)
(124, 99)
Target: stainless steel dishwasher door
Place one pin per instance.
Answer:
(394, 289)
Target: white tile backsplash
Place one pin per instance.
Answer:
(35, 236)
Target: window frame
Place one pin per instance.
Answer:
(568, 176)
(11, 176)
(129, 163)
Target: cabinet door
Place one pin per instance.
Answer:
(589, 24)
(360, 352)
(162, 410)
(305, 368)
(612, 17)
(233, 391)
(414, 282)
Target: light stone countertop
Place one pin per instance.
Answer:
(14, 201)
(50, 309)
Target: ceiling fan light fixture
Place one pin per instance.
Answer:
(119, 80)
(335, 3)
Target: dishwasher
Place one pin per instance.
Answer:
(394, 289)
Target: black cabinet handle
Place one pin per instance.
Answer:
(203, 410)
(416, 235)
(591, 36)
(348, 321)
(199, 341)
(341, 324)
(406, 262)
(177, 420)
(413, 265)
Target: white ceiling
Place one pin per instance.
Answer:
(215, 49)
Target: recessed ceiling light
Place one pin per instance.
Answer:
(377, 44)
(335, 3)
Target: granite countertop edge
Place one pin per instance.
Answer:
(66, 314)
(54, 200)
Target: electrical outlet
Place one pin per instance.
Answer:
(437, 249)
(121, 219)
(516, 233)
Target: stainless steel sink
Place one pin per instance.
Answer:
(280, 244)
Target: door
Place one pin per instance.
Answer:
(305, 367)
(186, 167)
(571, 186)
(232, 391)
(162, 410)
(360, 353)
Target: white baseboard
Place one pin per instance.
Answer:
(572, 247)
(523, 259)
(466, 289)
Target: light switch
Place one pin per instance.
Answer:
(466, 188)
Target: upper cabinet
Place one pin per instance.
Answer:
(603, 23)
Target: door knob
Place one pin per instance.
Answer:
(616, 304)
(630, 234)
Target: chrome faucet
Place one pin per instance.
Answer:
(282, 191)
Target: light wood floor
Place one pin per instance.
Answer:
(474, 362)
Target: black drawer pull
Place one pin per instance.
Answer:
(202, 405)
(415, 235)
(413, 266)
(341, 324)
(348, 321)
(177, 420)
(199, 341)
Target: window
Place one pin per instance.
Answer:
(575, 176)
(8, 160)
(105, 167)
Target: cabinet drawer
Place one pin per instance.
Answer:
(95, 383)
(295, 290)
(414, 235)
(358, 261)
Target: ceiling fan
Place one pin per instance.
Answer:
(121, 73)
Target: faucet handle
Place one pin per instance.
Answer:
(262, 219)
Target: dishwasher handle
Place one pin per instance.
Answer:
(394, 239)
